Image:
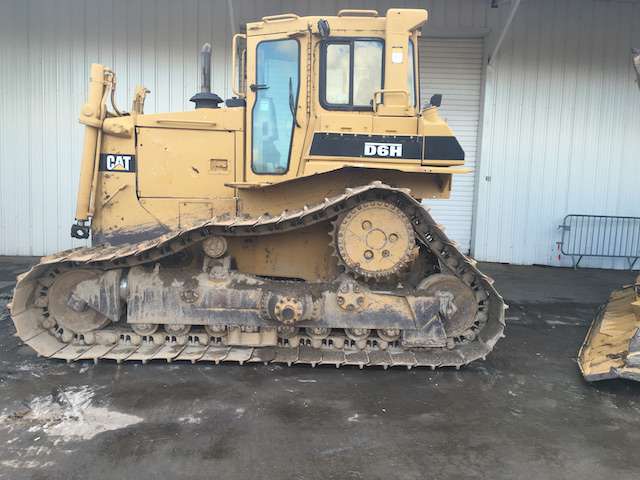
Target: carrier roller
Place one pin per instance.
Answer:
(403, 294)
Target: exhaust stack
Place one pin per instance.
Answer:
(204, 98)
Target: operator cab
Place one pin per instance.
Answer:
(324, 90)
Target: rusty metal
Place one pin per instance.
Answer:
(375, 240)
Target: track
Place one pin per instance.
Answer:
(36, 329)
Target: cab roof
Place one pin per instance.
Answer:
(346, 22)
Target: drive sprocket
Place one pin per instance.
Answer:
(374, 240)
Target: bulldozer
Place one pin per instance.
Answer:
(285, 224)
(612, 346)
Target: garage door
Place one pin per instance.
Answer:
(453, 67)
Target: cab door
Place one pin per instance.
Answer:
(275, 108)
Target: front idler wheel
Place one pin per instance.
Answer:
(458, 304)
(70, 312)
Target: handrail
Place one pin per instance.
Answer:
(188, 122)
(235, 84)
(379, 93)
(280, 18)
(354, 12)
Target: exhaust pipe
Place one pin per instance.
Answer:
(204, 98)
(205, 68)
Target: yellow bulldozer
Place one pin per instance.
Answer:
(285, 225)
(612, 346)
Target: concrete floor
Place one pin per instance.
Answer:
(523, 413)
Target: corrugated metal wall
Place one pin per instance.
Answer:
(454, 68)
(46, 48)
(45, 51)
(561, 127)
(560, 122)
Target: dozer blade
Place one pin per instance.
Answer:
(612, 346)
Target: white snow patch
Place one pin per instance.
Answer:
(573, 322)
(190, 419)
(26, 464)
(25, 367)
(69, 415)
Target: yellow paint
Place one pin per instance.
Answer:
(197, 164)
(605, 353)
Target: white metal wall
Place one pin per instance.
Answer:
(560, 123)
(561, 127)
(453, 67)
(45, 51)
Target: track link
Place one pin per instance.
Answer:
(36, 329)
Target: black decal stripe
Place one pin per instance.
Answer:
(352, 145)
(443, 148)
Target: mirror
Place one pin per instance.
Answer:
(436, 100)
(323, 28)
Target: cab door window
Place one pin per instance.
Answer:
(276, 87)
(351, 72)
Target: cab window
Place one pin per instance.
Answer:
(276, 100)
(351, 71)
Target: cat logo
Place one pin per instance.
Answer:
(383, 149)
(117, 163)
